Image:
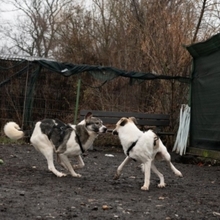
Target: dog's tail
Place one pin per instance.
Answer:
(13, 131)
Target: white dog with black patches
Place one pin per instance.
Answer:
(52, 135)
(144, 147)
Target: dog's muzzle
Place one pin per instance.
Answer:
(104, 129)
(114, 132)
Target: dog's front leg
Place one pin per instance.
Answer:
(159, 174)
(118, 172)
(64, 160)
(147, 169)
(80, 163)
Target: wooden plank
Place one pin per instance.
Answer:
(142, 122)
(204, 153)
(165, 133)
(149, 122)
(123, 114)
(158, 133)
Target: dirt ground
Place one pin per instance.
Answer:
(29, 191)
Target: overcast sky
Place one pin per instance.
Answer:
(7, 11)
(8, 14)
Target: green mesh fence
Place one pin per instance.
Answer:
(205, 94)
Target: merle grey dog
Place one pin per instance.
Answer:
(52, 135)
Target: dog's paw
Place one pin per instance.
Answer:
(161, 185)
(61, 174)
(179, 174)
(145, 188)
(77, 175)
(116, 177)
(75, 167)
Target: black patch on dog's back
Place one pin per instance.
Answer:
(47, 126)
(56, 131)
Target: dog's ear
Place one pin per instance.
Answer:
(134, 120)
(88, 115)
(123, 121)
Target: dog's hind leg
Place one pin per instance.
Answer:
(159, 174)
(61, 162)
(167, 157)
(173, 168)
(118, 172)
(66, 163)
(47, 150)
(147, 169)
(44, 146)
(80, 163)
(48, 154)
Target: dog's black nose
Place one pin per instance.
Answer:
(114, 132)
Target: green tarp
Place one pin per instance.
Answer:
(103, 72)
(205, 94)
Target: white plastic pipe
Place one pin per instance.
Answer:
(183, 130)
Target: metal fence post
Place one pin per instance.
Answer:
(77, 100)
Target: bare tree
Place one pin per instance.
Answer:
(34, 32)
(74, 42)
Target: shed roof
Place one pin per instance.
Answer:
(204, 48)
(22, 57)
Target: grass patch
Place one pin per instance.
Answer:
(5, 140)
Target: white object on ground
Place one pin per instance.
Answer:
(109, 155)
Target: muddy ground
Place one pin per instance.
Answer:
(29, 191)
